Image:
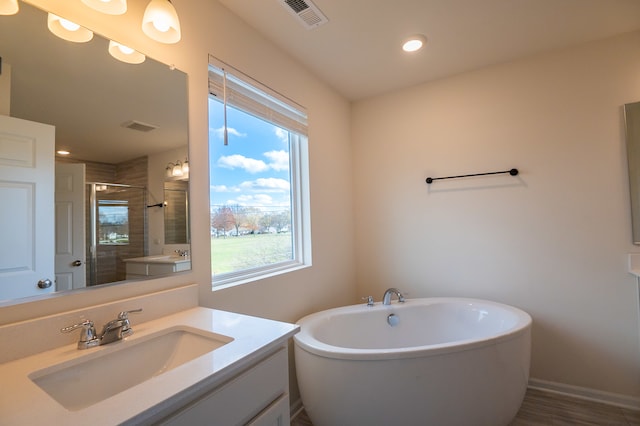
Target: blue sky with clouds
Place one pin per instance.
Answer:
(253, 170)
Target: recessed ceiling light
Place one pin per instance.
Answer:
(414, 43)
(63, 152)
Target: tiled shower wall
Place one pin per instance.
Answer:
(133, 172)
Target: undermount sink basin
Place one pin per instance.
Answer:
(87, 380)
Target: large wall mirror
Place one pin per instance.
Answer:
(126, 129)
(632, 125)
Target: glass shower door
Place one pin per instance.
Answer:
(117, 230)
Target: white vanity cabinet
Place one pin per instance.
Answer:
(227, 369)
(143, 267)
(259, 396)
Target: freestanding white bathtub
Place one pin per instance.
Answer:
(446, 361)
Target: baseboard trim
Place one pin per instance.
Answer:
(578, 392)
(295, 408)
(588, 394)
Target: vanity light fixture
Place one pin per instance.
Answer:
(414, 43)
(160, 22)
(174, 169)
(177, 169)
(110, 7)
(125, 54)
(9, 7)
(68, 30)
(63, 152)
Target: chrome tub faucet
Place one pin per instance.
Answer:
(386, 299)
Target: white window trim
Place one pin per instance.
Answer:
(300, 200)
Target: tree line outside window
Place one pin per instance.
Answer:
(235, 220)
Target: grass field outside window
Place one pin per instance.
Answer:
(231, 253)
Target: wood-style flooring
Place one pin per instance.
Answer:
(548, 409)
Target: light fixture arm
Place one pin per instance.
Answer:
(109, 7)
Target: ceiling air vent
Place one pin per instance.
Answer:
(307, 13)
(139, 126)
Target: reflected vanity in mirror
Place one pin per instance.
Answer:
(121, 124)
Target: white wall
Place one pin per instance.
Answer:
(209, 28)
(553, 240)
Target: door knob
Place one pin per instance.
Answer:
(77, 263)
(45, 283)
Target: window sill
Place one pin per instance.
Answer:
(257, 275)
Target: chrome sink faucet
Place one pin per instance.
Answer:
(112, 331)
(88, 337)
(118, 328)
(386, 299)
(182, 253)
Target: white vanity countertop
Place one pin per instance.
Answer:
(160, 258)
(22, 402)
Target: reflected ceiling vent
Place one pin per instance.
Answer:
(307, 13)
(139, 126)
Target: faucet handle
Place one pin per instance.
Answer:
(126, 325)
(124, 315)
(88, 337)
(369, 300)
(87, 324)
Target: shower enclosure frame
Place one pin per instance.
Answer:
(93, 225)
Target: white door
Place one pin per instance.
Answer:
(26, 208)
(70, 226)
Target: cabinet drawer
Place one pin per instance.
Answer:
(275, 415)
(160, 269)
(240, 400)
(137, 268)
(182, 266)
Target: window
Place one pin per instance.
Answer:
(259, 202)
(113, 222)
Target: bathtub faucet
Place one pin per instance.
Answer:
(386, 299)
